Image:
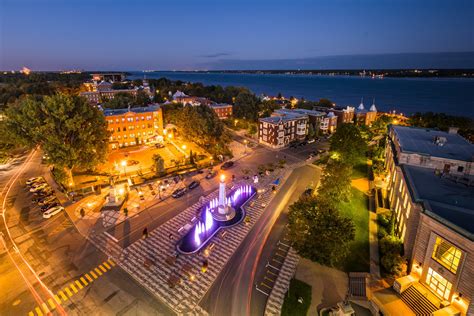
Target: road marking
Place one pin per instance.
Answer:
(273, 259)
(267, 278)
(84, 281)
(102, 268)
(112, 262)
(31, 314)
(264, 284)
(93, 274)
(51, 303)
(79, 284)
(88, 277)
(268, 271)
(265, 293)
(73, 288)
(277, 254)
(68, 291)
(38, 311)
(45, 308)
(106, 265)
(57, 299)
(63, 296)
(98, 271)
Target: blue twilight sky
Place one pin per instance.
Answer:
(203, 34)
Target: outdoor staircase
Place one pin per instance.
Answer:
(417, 302)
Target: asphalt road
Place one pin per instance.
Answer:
(53, 255)
(234, 293)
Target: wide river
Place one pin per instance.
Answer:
(406, 95)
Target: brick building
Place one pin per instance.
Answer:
(279, 130)
(134, 126)
(325, 122)
(222, 110)
(430, 187)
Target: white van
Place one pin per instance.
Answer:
(53, 211)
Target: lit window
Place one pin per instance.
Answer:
(438, 284)
(446, 254)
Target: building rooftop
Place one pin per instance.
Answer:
(275, 119)
(446, 200)
(144, 109)
(422, 141)
(302, 111)
(220, 105)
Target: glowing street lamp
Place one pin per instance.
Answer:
(235, 122)
(124, 165)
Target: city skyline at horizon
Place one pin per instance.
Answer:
(52, 35)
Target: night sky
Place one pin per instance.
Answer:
(201, 34)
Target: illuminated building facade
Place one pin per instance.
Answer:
(430, 187)
(134, 126)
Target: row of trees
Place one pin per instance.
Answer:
(199, 124)
(72, 133)
(317, 229)
(14, 86)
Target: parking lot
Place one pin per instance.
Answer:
(303, 151)
(273, 266)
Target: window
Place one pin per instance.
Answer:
(460, 168)
(438, 284)
(446, 254)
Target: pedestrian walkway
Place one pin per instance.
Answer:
(177, 279)
(73, 288)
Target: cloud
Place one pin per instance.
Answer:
(216, 55)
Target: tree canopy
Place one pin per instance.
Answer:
(348, 144)
(246, 106)
(318, 233)
(73, 133)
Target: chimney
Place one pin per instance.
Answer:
(453, 130)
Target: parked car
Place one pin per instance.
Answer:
(227, 165)
(47, 200)
(179, 192)
(193, 185)
(159, 145)
(44, 193)
(132, 162)
(53, 211)
(40, 187)
(38, 183)
(311, 141)
(46, 207)
(34, 180)
(211, 174)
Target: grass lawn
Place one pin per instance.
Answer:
(291, 306)
(360, 169)
(358, 259)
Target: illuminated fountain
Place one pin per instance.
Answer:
(221, 212)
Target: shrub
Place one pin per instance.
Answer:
(392, 263)
(383, 220)
(381, 232)
(390, 244)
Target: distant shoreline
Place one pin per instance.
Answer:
(370, 73)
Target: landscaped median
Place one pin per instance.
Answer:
(297, 299)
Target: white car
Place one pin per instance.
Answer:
(53, 211)
(39, 187)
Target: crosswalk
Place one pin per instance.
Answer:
(180, 281)
(72, 288)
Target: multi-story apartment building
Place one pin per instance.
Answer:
(222, 110)
(430, 186)
(101, 96)
(325, 122)
(279, 130)
(134, 126)
(344, 115)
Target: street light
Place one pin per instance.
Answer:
(245, 143)
(235, 122)
(124, 165)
